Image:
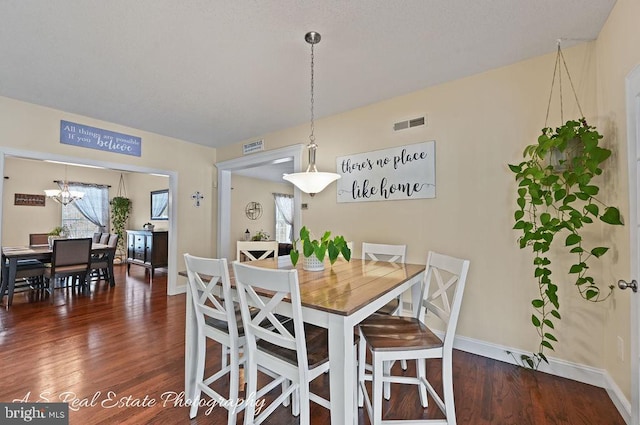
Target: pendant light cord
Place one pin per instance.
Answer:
(312, 138)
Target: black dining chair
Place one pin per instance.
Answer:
(71, 258)
(100, 263)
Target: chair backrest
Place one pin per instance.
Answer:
(444, 300)
(205, 274)
(71, 252)
(96, 237)
(113, 240)
(275, 286)
(384, 252)
(257, 250)
(104, 238)
(38, 238)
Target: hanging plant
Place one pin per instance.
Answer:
(555, 204)
(120, 210)
(557, 201)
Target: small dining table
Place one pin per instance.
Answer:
(337, 299)
(12, 254)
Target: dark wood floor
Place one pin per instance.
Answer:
(117, 356)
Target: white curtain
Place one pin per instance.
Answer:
(94, 205)
(284, 204)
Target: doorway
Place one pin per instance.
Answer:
(226, 168)
(172, 277)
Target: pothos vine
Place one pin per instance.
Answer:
(557, 198)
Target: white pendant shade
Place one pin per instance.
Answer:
(311, 181)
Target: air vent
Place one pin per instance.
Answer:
(414, 122)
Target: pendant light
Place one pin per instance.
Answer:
(312, 181)
(63, 195)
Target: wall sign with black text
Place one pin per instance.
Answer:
(404, 172)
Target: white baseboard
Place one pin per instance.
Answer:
(577, 372)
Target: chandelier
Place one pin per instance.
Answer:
(63, 195)
(311, 181)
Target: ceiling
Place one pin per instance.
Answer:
(215, 72)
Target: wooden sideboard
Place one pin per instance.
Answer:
(148, 249)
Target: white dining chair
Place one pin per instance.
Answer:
(390, 254)
(217, 319)
(256, 250)
(295, 350)
(390, 338)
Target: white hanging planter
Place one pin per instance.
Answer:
(312, 264)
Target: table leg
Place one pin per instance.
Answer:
(11, 282)
(110, 257)
(341, 377)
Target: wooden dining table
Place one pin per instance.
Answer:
(337, 298)
(12, 254)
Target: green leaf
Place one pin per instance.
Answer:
(521, 202)
(547, 344)
(537, 303)
(545, 218)
(548, 323)
(559, 194)
(576, 250)
(611, 216)
(550, 336)
(294, 255)
(515, 168)
(535, 320)
(599, 251)
(592, 209)
(519, 225)
(518, 215)
(590, 190)
(573, 239)
(576, 268)
(555, 314)
(591, 294)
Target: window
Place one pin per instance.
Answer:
(284, 217)
(88, 215)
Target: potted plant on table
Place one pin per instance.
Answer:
(58, 232)
(315, 250)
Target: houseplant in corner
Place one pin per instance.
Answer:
(315, 250)
(120, 209)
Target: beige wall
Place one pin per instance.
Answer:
(618, 55)
(480, 124)
(245, 190)
(32, 177)
(139, 188)
(31, 128)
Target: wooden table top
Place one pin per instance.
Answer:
(346, 287)
(20, 251)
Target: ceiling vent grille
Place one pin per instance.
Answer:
(414, 122)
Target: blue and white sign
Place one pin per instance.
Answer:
(97, 138)
(404, 172)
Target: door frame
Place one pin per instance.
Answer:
(633, 142)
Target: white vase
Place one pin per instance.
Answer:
(312, 264)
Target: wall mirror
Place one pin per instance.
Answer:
(160, 204)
